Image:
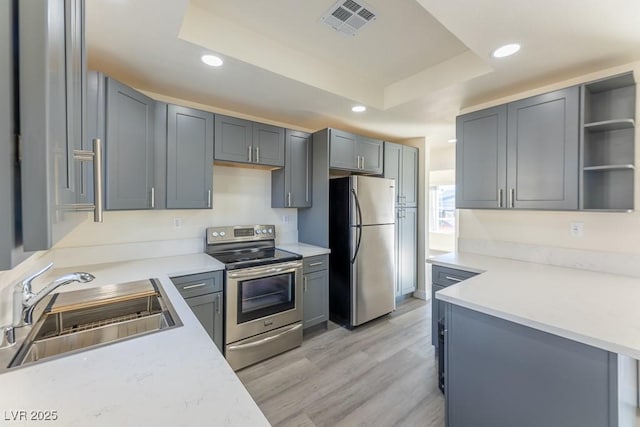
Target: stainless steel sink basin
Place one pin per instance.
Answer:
(79, 320)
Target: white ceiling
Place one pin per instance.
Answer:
(416, 66)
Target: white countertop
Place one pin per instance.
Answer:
(602, 310)
(175, 377)
(304, 249)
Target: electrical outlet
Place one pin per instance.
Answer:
(285, 219)
(577, 229)
(177, 222)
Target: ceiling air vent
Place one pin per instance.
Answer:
(349, 16)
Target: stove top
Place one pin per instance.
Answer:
(254, 257)
(246, 246)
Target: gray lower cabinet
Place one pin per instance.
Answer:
(355, 153)
(129, 148)
(244, 141)
(291, 185)
(401, 164)
(521, 155)
(315, 288)
(407, 250)
(51, 88)
(189, 158)
(442, 277)
(203, 293)
(502, 374)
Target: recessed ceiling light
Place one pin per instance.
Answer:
(452, 141)
(211, 60)
(358, 108)
(506, 50)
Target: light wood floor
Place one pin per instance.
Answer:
(380, 374)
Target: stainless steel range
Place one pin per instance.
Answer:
(263, 293)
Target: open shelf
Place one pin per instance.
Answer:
(608, 144)
(608, 189)
(610, 125)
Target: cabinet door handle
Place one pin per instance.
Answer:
(218, 303)
(454, 279)
(250, 153)
(209, 198)
(258, 154)
(512, 198)
(153, 197)
(315, 264)
(97, 180)
(304, 286)
(199, 285)
(362, 163)
(289, 199)
(500, 194)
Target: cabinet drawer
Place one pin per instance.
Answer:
(198, 284)
(315, 263)
(444, 276)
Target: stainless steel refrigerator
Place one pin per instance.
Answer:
(362, 241)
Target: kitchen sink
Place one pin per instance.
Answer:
(80, 320)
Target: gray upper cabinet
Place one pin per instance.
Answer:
(129, 148)
(51, 76)
(542, 150)
(189, 158)
(233, 139)
(481, 150)
(8, 163)
(269, 144)
(520, 155)
(342, 150)
(291, 185)
(401, 164)
(355, 153)
(371, 152)
(243, 141)
(409, 174)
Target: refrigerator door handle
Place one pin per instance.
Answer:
(358, 225)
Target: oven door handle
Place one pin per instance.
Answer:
(264, 340)
(258, 272)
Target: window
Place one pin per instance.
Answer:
(442, 204)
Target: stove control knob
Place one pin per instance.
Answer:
(214, 234)
(222, 234)
(270, 231)
(258, 231)
(264, 231)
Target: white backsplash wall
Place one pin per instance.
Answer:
(240, 196)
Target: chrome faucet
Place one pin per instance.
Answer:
(24, 300)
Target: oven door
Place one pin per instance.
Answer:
(261, 299)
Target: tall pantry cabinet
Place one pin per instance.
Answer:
(401, 164)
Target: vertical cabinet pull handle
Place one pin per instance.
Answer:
(289, 199)
(97, 180)
(209, 198)
(500, 194)
(250, 153)
(218, 303)
(153, 197)
(304, 287)
(362, 163)
(258, 154)
(512, 198)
